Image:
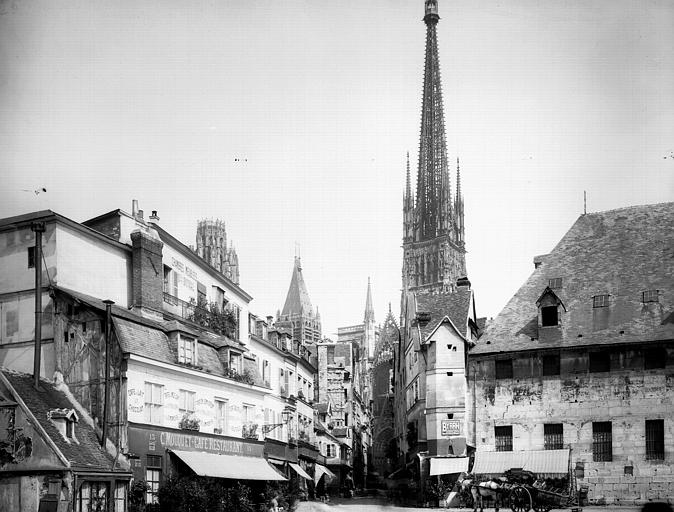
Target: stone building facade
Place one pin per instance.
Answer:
(582, 357)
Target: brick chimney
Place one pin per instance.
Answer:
(148, 274)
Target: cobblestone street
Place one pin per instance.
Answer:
(377, 504)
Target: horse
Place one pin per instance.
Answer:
(489, 489)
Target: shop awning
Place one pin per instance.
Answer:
(228, 466)
(448, 465)
(549, 462)
(298, 469)
(319, 471)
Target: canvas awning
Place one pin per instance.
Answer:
(298, 469)
(549, 462)
(448, 465)
(228, 466)
(319, 471)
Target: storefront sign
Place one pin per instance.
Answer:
(143, 440)
(451, 427)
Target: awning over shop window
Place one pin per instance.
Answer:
(228, 466)
(448, 465)
(298, 469)
(320, 470)
(548, 462)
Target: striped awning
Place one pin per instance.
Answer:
(298, 469)
(229, 466)
(550, 462)
(320, 470)
(448, 465)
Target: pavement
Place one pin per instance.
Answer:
(371, 504)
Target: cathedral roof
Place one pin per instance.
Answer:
(618, 255)
(297, 300)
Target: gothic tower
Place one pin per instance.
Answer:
(298, 315)
(433, 228)
(212, 247)
(369, 340)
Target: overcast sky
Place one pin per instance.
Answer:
(290, 120)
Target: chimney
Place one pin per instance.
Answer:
(140, 214)
(462, 281)
(154, 217)
(134, 208)
(148, 274)
(270, 320)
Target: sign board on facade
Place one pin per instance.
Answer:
(451, 427)
(143, 440)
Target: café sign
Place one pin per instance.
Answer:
(147, 440)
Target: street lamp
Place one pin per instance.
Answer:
(285, 417)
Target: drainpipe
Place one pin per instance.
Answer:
(38, 228)
(108, 326)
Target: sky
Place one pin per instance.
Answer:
(291, 119)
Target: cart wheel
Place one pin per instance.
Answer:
(542, 507)
(520, 500)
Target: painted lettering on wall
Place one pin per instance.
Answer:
(136, 400)
(450, 427)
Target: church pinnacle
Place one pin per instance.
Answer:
(434, 252)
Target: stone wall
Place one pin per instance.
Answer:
(626, 396)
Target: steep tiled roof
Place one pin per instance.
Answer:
(87, 454)
(620, 253)
(455, 305)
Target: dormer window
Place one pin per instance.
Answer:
(649, 296)
(64, 420)
(550, 307)
(187, 350)
(549, 316)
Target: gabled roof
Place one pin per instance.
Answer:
(619, 252)
(86, 454)
(456, 306)
(549, 291)
(297, 300)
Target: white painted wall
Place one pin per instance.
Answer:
(88, 265)
(207, 391)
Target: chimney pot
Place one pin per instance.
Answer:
(140, 214)
(154, 215)
(134, 207)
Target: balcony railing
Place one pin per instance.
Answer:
(192, 312)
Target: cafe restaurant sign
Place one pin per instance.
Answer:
(144, 440)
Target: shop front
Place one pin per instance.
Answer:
(158, 452)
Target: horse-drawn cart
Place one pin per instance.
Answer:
(539, 479)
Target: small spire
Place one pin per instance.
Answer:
(369, 310)
(458, 179)
(408, 186)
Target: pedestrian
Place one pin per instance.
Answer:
(273, 504)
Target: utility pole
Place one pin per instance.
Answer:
(38, 228)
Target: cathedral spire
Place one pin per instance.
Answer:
(369, 310)
(433, 243)
(433, 177)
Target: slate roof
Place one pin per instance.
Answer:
(619, 252)
(87, 455)
(455, 305)
(140, 336)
